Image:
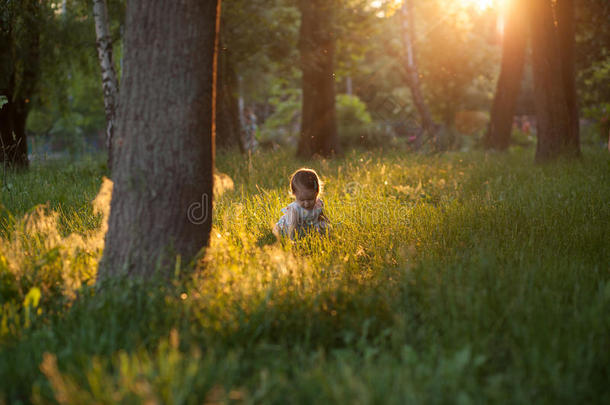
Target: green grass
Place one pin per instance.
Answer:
(460, 278)
(68, 187)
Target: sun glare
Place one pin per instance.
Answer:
(479, 5)
(387, 7)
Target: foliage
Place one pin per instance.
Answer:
(282, 126)
(49, 59)
(354, 121)
(21, 24)
(459, 58)
(261, 38)
(592, 50)
(71, 103)
(460, 277)
(600, 116)
(351, 111)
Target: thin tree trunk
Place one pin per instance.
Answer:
(552, 113)
(317, 48)
(109, 79)
(511, 73)
(412, 74)
(564, 11)
(163, 159)
(349, 88)
(241, 103)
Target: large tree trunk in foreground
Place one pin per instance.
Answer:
(552, 112)
(511, 73)
(162, 199)
(317, 47)
(412, 74)
(109, 80)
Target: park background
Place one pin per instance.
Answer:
(463, 266)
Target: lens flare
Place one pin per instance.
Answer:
(479, 5)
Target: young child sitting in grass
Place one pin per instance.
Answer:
(306, 212)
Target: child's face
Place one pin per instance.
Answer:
(305, 198)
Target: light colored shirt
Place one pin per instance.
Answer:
(303, 218)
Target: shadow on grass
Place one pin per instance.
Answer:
(268, 238)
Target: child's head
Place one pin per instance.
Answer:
(305, 186)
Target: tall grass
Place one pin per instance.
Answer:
(464, 277)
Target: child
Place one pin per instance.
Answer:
(307, 211)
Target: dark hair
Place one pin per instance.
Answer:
(307, 178)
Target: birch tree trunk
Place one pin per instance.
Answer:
(161, 204)
(412, 74)
(109, 79)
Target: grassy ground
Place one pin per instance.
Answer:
(461, 278)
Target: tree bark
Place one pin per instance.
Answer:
(552, 113)
(13, 138)
(228, 128)
(511, 73)
(163, 152)
(21, 48)
(317, 48)
(564, 11)
(109, 79)
(412, 74)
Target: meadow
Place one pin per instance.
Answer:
(463, 277)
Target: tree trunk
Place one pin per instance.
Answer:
(511, 73)
(109, 80)
(164, 147)
(552, 113)
(13, 138)
(317, 48)
(412, 74)
(564, 10)
(228, 128)
(21, 48)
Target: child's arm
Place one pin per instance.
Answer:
(292, 219)
(287, 224)
(323, 223)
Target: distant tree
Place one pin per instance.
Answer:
(257, 51)
(412, 73)
(564, 12)
(554, 114)
(163, 152)
(317, 50)
(228, 125)
(110, 83)
(20, 31)
(514, 42)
